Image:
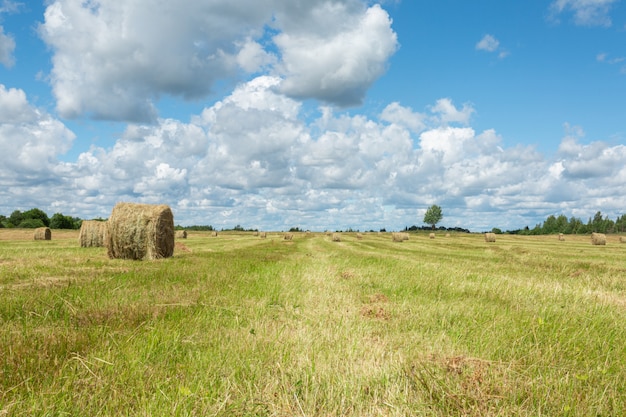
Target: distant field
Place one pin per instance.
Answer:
(236, 325)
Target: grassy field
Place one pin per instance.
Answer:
(236, 325)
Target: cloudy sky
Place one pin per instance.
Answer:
(321, 114)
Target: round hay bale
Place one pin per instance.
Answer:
(43, 233)
(447, 234)
(92, 234)
(431, 236)
(336, 237)
(181, 234)
(263, 235)
(214, 233)
(561, 237)
(490, 237)
(397, 237)
(288, 236)
(140, 231)
(598, 239)
(359, 236)
(622, 239)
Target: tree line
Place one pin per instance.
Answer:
(35, 217)
(574, 225)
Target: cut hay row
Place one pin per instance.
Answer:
(490, 237)
(598, 239)
(140, 232)
(92, 234)
(43, 233)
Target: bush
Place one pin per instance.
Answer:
(31, 224)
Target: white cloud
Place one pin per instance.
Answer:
(115, 60)
(337, 64)
(30, 140)
(446, 112)
(586, 12)
(488, 43)
(7, 47)
(256, 160)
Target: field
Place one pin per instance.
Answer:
(236, 325)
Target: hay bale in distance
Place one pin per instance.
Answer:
(359, 236)
(140, 231)
(598, 239)
(490, 237)
(622, 239)
(263, 235)
(181, 234)
(397, 237)
(336, 237)
(431, 236)
(43, 233)
(92, 234)
(288, 236)
(214, 233)
(561, 237)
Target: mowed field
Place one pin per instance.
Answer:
(236, 325)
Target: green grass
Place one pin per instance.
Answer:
(243, 326)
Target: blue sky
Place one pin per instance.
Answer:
(331, 114)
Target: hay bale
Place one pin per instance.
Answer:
(397, 237)
(447, 234)
(561, 237)
(263, 235)
(181, 234)
(43, 233)
(598, 239)
(622, 239)
(405, 236)
(288, 236)
(359, 236)
(140, 231)
(490, 237)
(431, 236)
(92, 234)
(214, 233)
(336, 237)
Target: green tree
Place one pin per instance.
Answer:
(36, 213)
(15, 218)
(31, 224)
(59, 221)
(433, 215)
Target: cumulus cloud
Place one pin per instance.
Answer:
(255, 159)
(31, 140)
(337, 65)
(114, 60)
(7, 47)
(586, 12)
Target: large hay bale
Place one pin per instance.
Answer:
(431, 236)
(490, 237)
(214, 233)
(43, 233)
(140, 231)
(622, 239)
(359, 236)
(598, 239)
(336, 237)
(181, 234)
(263, 235)
(92, 234)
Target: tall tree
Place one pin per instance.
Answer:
(433, 215)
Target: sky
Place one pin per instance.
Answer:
(317, 114)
